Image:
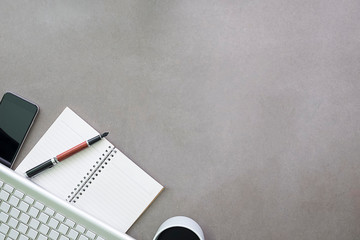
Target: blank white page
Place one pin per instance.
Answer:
(120, 192)
(67, 131)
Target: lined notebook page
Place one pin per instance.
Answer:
(118, 186)
(67, 131)
(120, 190)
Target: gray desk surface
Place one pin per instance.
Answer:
(247, 111)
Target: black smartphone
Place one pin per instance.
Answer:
(16, 118)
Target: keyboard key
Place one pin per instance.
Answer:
(80, 228)
(53, 223)
(18, 194)
(73, 234)
(63, 228)
(99, 238)
(53, 234)
(13, 222)
(63, 238)
(90, 234)
(70, 223)
(44, 229)
(5, 207)
(29, 200)
(2, 236)
(14, 201)
(33, 212)
(82, 237)
(43, 217)
(32, 233)
(4, 228)
(22, 237)
(13, 234)
(41, 237)
(3, 217)
(23, 206)
(49, 211)
(4, 195)
(14, 212)
(8, 188)
(24, 218)
(34, 223)
(22, 228)
(39, 205)
(1, 183)
(59, 217)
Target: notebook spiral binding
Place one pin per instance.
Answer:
(91, 175)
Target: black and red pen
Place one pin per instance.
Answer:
(53, 161)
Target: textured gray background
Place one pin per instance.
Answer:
(247, 111)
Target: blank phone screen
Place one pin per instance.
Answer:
(16, 117)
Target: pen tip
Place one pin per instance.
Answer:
(104, 134)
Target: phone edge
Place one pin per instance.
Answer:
(28, 130)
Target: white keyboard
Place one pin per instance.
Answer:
(29, 212)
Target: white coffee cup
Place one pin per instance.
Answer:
(181, 221)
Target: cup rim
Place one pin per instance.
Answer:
(180, 221)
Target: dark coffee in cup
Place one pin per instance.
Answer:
(179, 228)
(177, 233)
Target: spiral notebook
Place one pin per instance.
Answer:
(100, 180)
